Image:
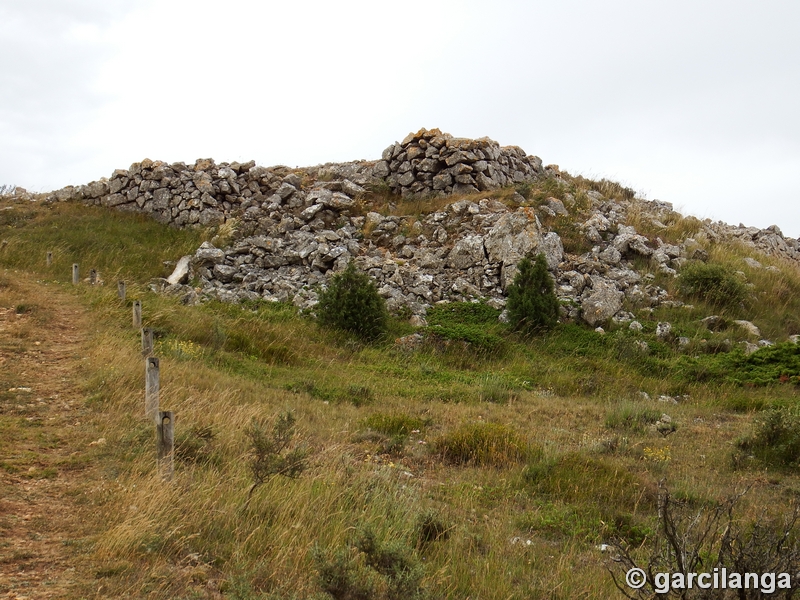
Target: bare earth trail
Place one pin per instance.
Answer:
(48, 484)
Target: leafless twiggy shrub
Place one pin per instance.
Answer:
(699, 540)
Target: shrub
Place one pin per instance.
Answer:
(712, 539)
(269, 451)
(370, 570)
(775, 440)
(532, 303)
(484, 444)
(352, 304)
(715, 284)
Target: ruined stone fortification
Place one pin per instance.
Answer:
(291, 228)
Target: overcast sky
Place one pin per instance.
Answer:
(696, 103)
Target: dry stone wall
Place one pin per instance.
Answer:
(431, 162)
(290, 229)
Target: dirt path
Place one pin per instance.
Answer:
(46, 475)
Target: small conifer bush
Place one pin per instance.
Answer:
(352, 304)
(532, 303)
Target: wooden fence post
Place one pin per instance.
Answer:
(165, 444)
(152, 386)
(147, 342)
(75, 274)
(93, 277)
(137, 314)
(121, 290)
(49, 258)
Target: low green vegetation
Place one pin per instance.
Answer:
(475, 323)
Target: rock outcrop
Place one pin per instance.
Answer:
(290, 229)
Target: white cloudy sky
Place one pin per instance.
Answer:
(693, 102)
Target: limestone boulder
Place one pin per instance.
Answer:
(601, 303)
(468, 252)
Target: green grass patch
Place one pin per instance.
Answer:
(475, 323)
(396, 424)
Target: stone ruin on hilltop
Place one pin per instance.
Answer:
(292, 228)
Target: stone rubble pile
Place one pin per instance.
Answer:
(431, 162)
(290, 229)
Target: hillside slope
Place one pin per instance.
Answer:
(450, 460)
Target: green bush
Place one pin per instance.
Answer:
(370, 569)
(532, 303)
(716, 284)
(352, 303)
(775, 441)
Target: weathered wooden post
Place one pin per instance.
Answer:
(152, 387)
(49, 259)
(121, 290)
(147, 342)
(76, 277)
(165, 444)
(137, 314)
(93, 277)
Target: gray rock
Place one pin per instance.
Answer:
(513, 236)
(285, 190)
(467, 252)
(211, 217)
(749, 327)
(750, 348)
(610, 256)
(752, 263)
(553, 250)
(224, 273)
(181, 272)
(339, 201)
(601, 303)
(203, 182)
(557, 206)
(715, 323)
(664, 331)
(207, 253)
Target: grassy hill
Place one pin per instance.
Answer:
(486, 466)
